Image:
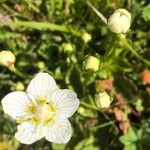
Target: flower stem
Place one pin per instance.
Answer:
(129, 47)
(43, 26)
(104, 114)
(103, 125)
(89, 106)
(17, 72)
(9, 9)
(100, 15)
(110, 48)
(109, 119)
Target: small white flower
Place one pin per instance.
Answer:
(42, 110)
(119, 21)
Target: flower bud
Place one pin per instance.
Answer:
(81, 110)
(68, 47)
(86, 37)
(91, 63)
(119, 21)
(103, 100)
(7, 58)
(20, 86)
(41, 65)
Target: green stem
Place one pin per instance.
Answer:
(9, 9)
(32, 6)
(18, 73)
(103, 125)
(110, 48)
(129, 47)
(89, 106)
(42, 26)
(109, 119)
(104, 114)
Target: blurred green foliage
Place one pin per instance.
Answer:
(36, 31)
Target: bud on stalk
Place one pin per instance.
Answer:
(103, 100)
(91, 63)
(7, 58)
(119, 21)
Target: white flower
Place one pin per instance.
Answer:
(103, 100)
(42, 111)
(119, 21)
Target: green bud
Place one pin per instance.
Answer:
(19, 86)
(68, 47)
(86, 37)
(91, 63)
(41, 65)
(81, 110)
(103, 100)
(119, 21)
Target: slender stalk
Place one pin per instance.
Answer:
(42, 26)
(109, 119)
(111, 46)
(89, 106)
(104, 114)
(9, 9)
(103, 125)
(100, 15)
(129, 47)
(32, 6)
(18, 73)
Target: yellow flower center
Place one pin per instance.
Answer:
(43, 113)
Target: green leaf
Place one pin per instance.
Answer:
(146, 13)
(58, 146)
(129, 138)
(87, 144)
(130, 147)
(135, 139)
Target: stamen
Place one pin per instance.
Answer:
(36, 120)
(43, 113)
(24, 118)
(52, 106)
(49, 120)
(41, 101)
(31, 109)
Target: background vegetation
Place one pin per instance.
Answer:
(38, 31)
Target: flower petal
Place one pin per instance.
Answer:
(15, 103)
(41, 85)
(66, 102)
(28, 133)
(58, 132)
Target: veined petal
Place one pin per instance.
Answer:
(66, 102)
(15, 104)
(28, 133)
(58, 132)
(41, 85)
